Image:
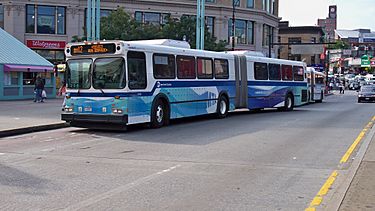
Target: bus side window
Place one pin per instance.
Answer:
(164, 66)
(186, 67)
(260, 71)
(298, 73)
(274, 71)
(221, 69)
(137, 70)
(204, 68)
(287, 73)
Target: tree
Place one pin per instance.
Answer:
(120, 25)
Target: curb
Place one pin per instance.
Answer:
(20, 131)
(343, 184)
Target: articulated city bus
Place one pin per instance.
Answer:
(316, 82)
(112, 84)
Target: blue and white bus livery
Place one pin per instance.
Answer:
(119, 83)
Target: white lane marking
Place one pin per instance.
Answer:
(46, 150)
(2, 153)
(47, 140)
(113, 192)
(16, 118)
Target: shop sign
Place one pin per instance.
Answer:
(44, 44)
(372, 62)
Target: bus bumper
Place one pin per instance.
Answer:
(96, 121)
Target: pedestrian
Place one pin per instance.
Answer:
(343, 86)
(38, 89)
(62, 92)
(330, 85)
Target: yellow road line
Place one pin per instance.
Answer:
(323, 191)
(346, 156)
(331, 179)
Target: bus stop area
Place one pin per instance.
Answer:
(24, 116)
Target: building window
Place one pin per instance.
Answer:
(1, 16)
(47, 19)
(210, 1)
(250, 3)
(267, 31)
(153, 18)
(210, 21)
(264, 4)
(273, 7)
(60, 20)
(103, 13)
(10, 78)
(244, 31)
(250, 32)
(30, 19)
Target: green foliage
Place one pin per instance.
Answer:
(119, 25)
(339, 45)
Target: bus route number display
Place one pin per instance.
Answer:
(93, 49)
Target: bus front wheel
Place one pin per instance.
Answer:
(159, 114)
(222, 107)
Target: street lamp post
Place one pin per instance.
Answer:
(233, 22)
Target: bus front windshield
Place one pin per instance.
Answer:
(78, 73)
(109, 73)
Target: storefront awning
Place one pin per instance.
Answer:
(25, 68)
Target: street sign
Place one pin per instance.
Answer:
(307, 49)
(365, 61)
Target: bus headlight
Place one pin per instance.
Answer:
(117, 111)
(68, 109)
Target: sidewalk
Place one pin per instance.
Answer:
(23, 116)
(361, 192)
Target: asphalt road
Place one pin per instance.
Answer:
(268, 160)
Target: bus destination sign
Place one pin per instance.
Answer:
(93, 49)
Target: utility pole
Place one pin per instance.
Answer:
(93, 20)
(233, 22)
(200, 24)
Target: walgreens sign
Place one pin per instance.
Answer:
(43, 44)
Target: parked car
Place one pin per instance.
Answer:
(366, 93)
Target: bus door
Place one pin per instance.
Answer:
(241, 100)
(312, 85)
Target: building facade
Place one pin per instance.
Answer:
(329, 24)
(301, 34)
(45, 25)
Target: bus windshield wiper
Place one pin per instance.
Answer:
(102, 91)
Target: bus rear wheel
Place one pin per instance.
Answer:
(159, 114)
(222, 107)
(289, 103)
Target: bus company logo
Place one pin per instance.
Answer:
(158, 84)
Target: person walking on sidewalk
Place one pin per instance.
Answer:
(39, 87)
(62, 92)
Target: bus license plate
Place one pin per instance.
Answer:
(89, 109)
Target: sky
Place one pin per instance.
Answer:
(351, 14)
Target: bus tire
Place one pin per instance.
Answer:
(289, 103)
(159, 114)
(222, 107)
